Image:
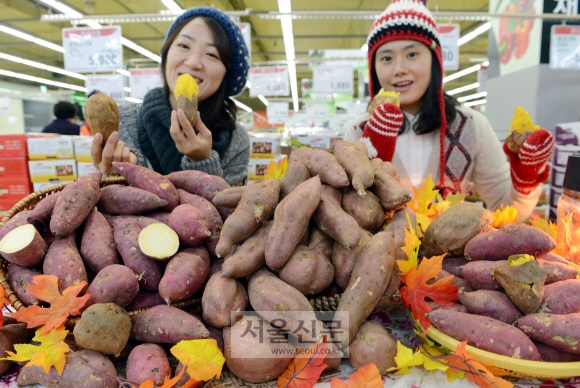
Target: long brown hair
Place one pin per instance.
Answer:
(217, 112)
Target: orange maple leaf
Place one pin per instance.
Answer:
(367, 376)
(416, 289)
(3, 302)
(475, 372)
(166, 384)
(45, 287)
(305, 369)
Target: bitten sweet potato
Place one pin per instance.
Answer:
(494, 304)
(229, 197)
(485, 333)
(249, 257)
(558, 331)
(190, 224)
(102, 115)
(373, 344)
(296, 173)
(256, 207)
(390, 192)
(343, 259)
(64, 261)
(165, 324)
(74, 204)
(215, 223)
(561, 297)
(221, 297)
(149, 180)
(321, 163)
(450, 232)
(366, 210)
(148, 361)
(98, 248)
(121, 199)
(479, 274)
(10, 335)
(23, 246)
(185, 93)
(185, 274)
(353, 156)
(333, 220)
(513, 239)
(291, 220)
(20, 277)
(320, 241)
(307, 270)
(557, 272)
(113, 284)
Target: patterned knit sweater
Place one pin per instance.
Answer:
(473, 153)
(233, 167)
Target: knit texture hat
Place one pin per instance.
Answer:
(409, 20)
(238, 74)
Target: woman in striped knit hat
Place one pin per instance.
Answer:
(432, 134)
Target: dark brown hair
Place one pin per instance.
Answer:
(217, 112)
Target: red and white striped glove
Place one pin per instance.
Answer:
(381, 131)
(529, 168)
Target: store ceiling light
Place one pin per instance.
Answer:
(42, 80)
(30, 38)
(471, 35)
(124, 72)
(472, 97)
(135, 100)
(285, 7)
(473, 103)
(461, 73)
(463, 89)
(172, 6)
(263, 99)
(42, 66)
(240, 105)
(62, 7)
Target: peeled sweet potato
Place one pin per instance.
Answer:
(353, 156)
(165, 324)
(113, 284)
(98, 248)
(102, 115)
(148, 361)
(23, 246)
(215, 223)
(366, 210)
(20, 277)
(250, 255)
(103, 327)
(494, 304)
(561, 297)
(64, 261)
(321, 163)
(373, 344)
(185, 274)
(121, 199)
(221, 297)
(159, 241)
(558, 331)
(307, 270)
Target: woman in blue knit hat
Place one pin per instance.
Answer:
(205, 43)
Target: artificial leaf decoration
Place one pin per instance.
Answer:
(367, 376)
(544, 225)
(479, 374)
(411, 249)
(303, 372)
(50, 352)
(504, 216)
(276, 170)
(422, 204)
(3, 302)
(203, 358)
(45, 287)
(405, 359)
(442, 205)
(147, 384)
(416, 289)
(338, 383)
(171, 382)
(431, 358)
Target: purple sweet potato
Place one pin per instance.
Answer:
(185, 274)
(457, 281)
(74, 204)
(198, 183)
(121, 199)
(353, 156)
(230, 197)
(148, 361)
(113, 284)
(494, 304)
(250, 255)
(162, 217)
(558, 331)
(166, 324)
(64, 261)
(551, 354)
(366, 210)
(456, 307)
(20, 277)
(479, 274)
(552, 257)
(212, 215)
(307, 270)
(98, 248)
(561, 297)
(485, 333)
(453, 264)
(296, 173)
(43, 209)
(145, 299)
(322, 163)
(17, 220)
(9, 336)
(343, 259)
(221, 297)
(150, 180)
(556, 272)
(190, 224)
(513, 239)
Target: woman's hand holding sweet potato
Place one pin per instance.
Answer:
(112, 151)
(195, 144)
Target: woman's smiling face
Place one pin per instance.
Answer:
(404, 66)
(194, 52)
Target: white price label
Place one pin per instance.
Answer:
(92, 49)
(143, 80)
(332, 79)
(111, 84)
(448, 36)
(316, 110)
(565, 47)
(269, 81)
(277, 112)
(356, 109)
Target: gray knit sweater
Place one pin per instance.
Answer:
(233, 167)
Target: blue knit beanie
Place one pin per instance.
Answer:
(238, 74)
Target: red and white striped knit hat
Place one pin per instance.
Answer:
(412, 20)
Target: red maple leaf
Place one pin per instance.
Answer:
(416, 289)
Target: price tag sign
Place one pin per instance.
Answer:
(143, 80)
(332, 79)
(111, 84)
(316, 110)
(353, 109)
(565, 47)
(92, 49)
(448, 36)
(277, 112)
(269, 81)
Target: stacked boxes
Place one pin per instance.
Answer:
(14, 176)
(51, 160)
(264, 148)
(320, 140)
(567, 143)
(82, 147)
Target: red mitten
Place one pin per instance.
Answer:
(381, 130)
(529, 168)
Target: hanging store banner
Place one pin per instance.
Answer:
(143, 80)
(92, 49)
(333, 79)
(565, 47)
(110, 84)
(269, 81)
(448, 36)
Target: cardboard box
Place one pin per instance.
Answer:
(46, 170)
(13, 146)
(12, 191)
(43, 185)
(85, 168)
(14, 168)
(568, 133)
(557, 176)
(50, 147)
(257, 168)
(561, 154)
(323, 141)
(264, 145)
(82, 148)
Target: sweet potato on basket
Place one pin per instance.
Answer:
(17, 220)
(250, 255)
(20, 277)
(296, 173)
(307, 270)
(165, 324)
(198, 183)
(64, 261)
(373, 344)
(390, 192)
(185, 274)
(98, 248)
(353, 156)
(43, 209)
(558, 331)
(320, 241)
(561, 297)
(215, 223)
(121, 199)
(23, 246)
(494, 304)
(148, 361)
(229, 197)
(366, 210)
(221, 297)
(523, 283)
(479, 274)
(113, 284)
(557, 272)
(9, 336)
(190, 224)
(321, 163)
(343, 259)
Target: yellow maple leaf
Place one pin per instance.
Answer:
(203, 358)
(405, 359)
(424, 197)
(453, 374)
(276, 170)
(504, 216)
(411, 249)
(430, 362)
(442, 205)
(50, 352)
(544, 225)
